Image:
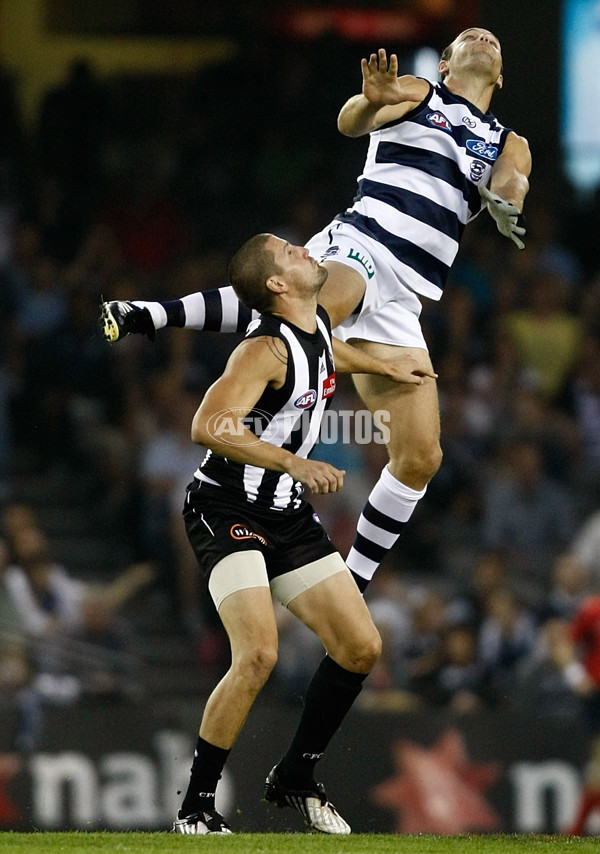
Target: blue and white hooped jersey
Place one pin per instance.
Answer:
(419, 185)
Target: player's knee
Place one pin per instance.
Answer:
(417, 465)
(364, 653)
(257, 664)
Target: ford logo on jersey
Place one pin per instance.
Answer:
(439, 120)
(307, 399)
(480, 148)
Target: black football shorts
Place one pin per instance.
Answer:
(217, 528)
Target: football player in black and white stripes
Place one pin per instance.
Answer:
(256, 537)
(437, 157)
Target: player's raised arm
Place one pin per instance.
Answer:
(384, 97)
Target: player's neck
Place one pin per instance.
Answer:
(479, 92)
(302, 313)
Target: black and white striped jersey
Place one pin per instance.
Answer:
(289, 417)
(419, 185)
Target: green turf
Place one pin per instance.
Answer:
(293, 843)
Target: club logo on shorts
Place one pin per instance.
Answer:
(439, 120)
(241, 532)
(309, 398)
(364, 260)
(333, 250)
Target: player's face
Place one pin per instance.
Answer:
(477, 46)
(299, 268)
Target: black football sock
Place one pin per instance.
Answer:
(205, 774)
(330, 695)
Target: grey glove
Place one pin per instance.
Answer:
(508, 217)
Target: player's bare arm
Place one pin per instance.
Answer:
(219, 421)
(384, 97)
(403, 369)
(511, 171)
(509, 185)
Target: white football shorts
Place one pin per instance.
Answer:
(389, 312)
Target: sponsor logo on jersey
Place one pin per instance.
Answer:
(309, 398)
(241, 532)
(481, 148)
(469, 122)
(316, 518)
(439, 120)
(329, 385)
(476, 170)
(364, 260)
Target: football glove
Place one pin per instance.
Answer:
(509, 219)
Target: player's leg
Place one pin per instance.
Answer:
(248, 618)
(342, 291)
(334, 609)
(412, 418)
(240, 590)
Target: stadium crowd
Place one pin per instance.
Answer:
(142, 189)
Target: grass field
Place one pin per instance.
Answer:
(294, 843)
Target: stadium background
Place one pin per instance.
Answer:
(141, 144)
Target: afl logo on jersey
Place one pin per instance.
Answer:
(439, 120)
(481, 148)
(309, 398)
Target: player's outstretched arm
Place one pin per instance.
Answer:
(403, 369)
(384, 97)
(216, 310)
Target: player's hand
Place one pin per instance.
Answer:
(407, 369)
(380, 79)
(317, 476)
(509, 219)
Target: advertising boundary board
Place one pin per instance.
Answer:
(121, 767)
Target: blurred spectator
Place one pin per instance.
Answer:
(56, 609)
(546, 334)
(527, 515)
(468, 606)
(543, 685)
(507, 634)
(462, 682)
(167, 462)
(570, 584)
(424, 650)
(388, 603)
